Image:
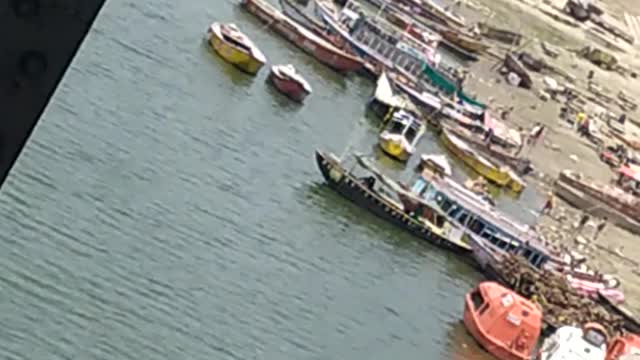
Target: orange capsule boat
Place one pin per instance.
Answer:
(504, 323)
(623, 346)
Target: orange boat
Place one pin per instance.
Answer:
(504, 323)
(623, 345)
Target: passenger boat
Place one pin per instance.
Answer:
(373, 191)
(401, 135)
(601, 200)
(314, 45)
(504, 323)
(486, 229)
(235, 47)
(286, 79)
(405, 17)
(570, 342)
(498, 174)
(377, 46)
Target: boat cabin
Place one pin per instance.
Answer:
(480, 220)
(503, 322)
(403, 123)
(569, 342)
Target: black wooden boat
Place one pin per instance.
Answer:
(360, 191)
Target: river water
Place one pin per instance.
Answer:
(168, 207)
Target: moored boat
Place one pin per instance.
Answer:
(607, 200)
(496, 173)
(621, 346)
(235, 47)
(504, 323)
(401, 135)
(286, 79)
(503, 35)
(314, 45)
(514, 65)
(369, 193)
(375, 45)
(466, 41)
(570, 342)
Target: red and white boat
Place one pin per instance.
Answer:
(305, 39)
(286, 79)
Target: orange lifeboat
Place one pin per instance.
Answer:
(623, 345)
(504, 323)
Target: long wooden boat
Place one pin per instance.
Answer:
(305, 39)
(496, 153)
(512, 63)
(619, 207)
(429, 9)
(502, 35)
(235, 47)
(363, 192)
(465, 41)
(496, 173)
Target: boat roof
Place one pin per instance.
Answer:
(384, 93)
(232, 30)
(477, 205)
(291, 72)
(438, 160)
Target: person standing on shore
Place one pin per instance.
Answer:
(549, 204)
(583, 221)
(600, 228)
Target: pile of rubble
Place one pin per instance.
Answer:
(560, 303)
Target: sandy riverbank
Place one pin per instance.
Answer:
(561, 143)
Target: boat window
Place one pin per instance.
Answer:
(411, 134)
(484, 308)
(445, 205)
(440, 221)
(488, 232)
(534, 259)
(512, 247)
(394, 57)
(396, 127)
(463, 218)
(454, 211)
(502, 244)
(595, 337)
(476, 226)
(418, 186)
(236, 43)
(527, 253)
(477, 299)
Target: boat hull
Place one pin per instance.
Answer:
(303, 38)
(579, 196)
(292, 89)
(471, 322)
(491, 173)
(355, 191)
(394, 149)
(240, 59)
(464, 42)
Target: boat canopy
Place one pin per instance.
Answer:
(440, 81)
(384, 93)
(631, 171)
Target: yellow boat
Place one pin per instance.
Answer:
(235, 47)
(401, 135)
(500, 175)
